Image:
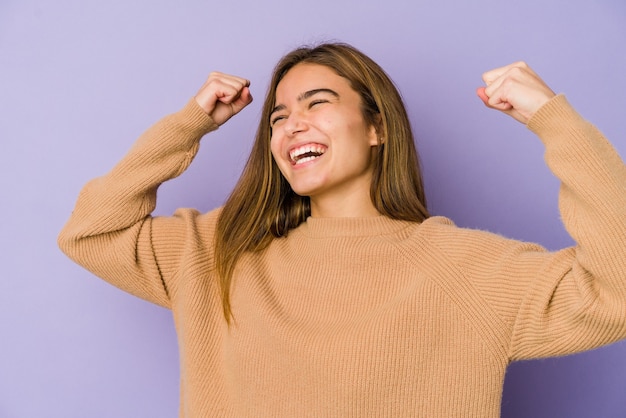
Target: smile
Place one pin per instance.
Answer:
(306, 153)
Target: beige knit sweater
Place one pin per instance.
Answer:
(363, 317)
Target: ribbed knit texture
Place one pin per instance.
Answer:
(363, 317)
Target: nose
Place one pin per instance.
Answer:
(296, 122)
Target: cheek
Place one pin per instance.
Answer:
(280, 163)
(347, 122)
(275, 149)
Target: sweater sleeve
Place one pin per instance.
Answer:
(578, 301)
(557, 303)
(111, 231)
(536, 303)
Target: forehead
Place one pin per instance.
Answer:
(307, 76)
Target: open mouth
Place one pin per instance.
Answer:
(306, 153)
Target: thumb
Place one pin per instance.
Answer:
(241, 101)
(501, 105)
(480, 92)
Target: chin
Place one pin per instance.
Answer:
(306, 192)
(302, 192)
(305, 189)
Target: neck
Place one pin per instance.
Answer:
(345, 206)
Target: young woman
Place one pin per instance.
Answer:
(323, 287)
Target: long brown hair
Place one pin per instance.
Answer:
(263, 206)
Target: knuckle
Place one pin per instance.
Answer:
(215, 75)
(516, 72)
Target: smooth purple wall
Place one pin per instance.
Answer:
(80, 80)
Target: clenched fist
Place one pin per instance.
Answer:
(222, 96)
(515, 90)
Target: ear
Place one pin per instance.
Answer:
(376, 132)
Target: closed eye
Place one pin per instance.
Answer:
(317, 102)
(312, 103)
(276, 120)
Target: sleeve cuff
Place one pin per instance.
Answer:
(196, 118)
(553, 117)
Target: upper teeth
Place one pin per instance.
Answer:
(296, 153)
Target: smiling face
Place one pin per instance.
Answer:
(321, 142)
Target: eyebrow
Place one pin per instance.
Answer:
(306, 95)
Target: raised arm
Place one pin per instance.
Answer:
(574, 299)
(111, 232)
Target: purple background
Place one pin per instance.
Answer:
(80, 80)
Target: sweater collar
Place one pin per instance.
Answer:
(352, 227)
